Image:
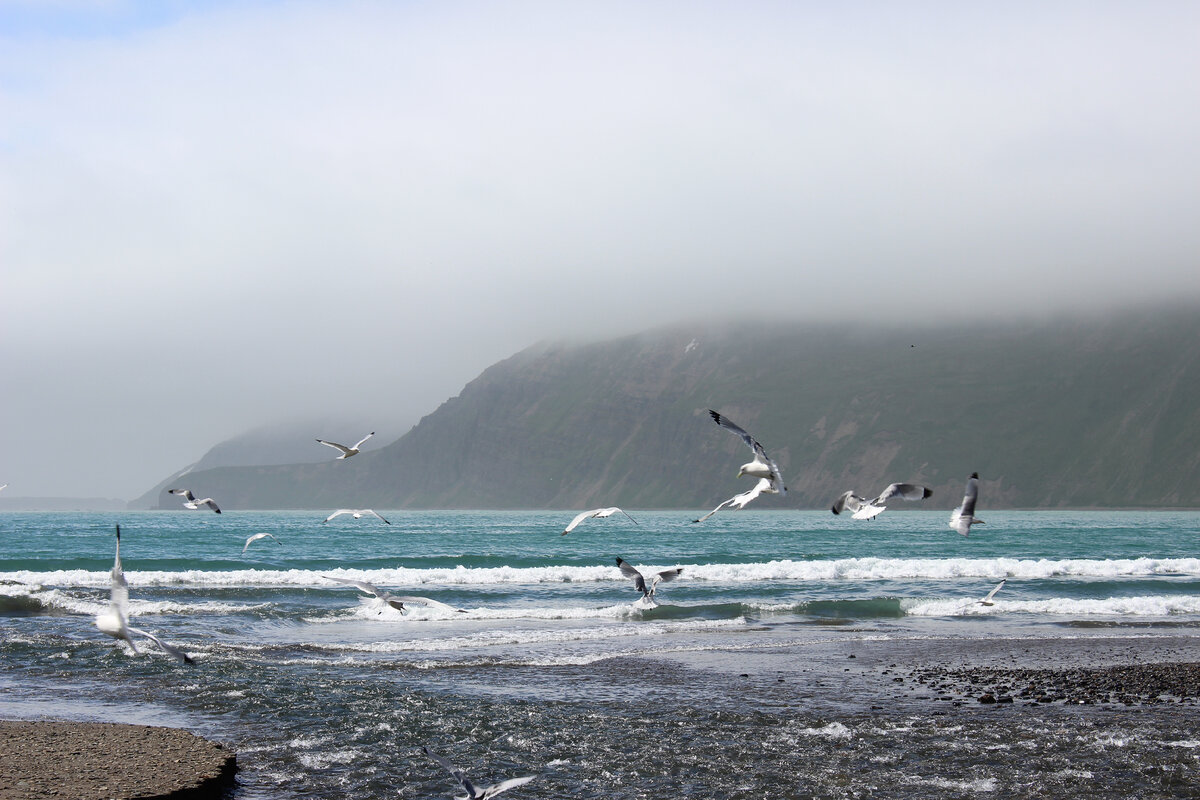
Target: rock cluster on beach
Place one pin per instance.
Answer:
(1134, 684)
(98, 760)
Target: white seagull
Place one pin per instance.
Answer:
(869, 509)
(963, 517)
(347, 451)
(598, 513)
(763, 466)
(395, 601)
(987, 599)
(739, 501)
(639, 580)
(256, 537)
(190, 501)
(357, 513)
(115, 621)
(473, 792)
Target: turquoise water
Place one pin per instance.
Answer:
(552, 667)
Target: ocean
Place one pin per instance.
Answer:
(777, 664)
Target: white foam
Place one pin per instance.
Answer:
(847, 569)
(1143, 606)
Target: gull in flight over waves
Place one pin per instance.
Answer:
(763, 466)
(963, 517)
(357, 513)
(394, 600)
(115, 621)
(639, 580)
(347, 451)
(739, 501)
(190, 501)
(598, 513)
(256, 537)
(987, 599)
(473, 791)
(869, 509)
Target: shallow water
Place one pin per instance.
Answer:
(737, 685)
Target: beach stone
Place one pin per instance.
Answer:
(102, 760)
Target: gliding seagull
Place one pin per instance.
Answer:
(639, 580)
(357, 513)
(739, 501)
(114, 621)
(347, 451)
(599, 513)
(963, 517)
(473, 791)
(395, 601)
(987, 599)
(256, 537)
(868, 509)
(190, 501)
(763, 466)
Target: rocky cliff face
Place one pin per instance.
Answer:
(1066, 414)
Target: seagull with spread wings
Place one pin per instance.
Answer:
(394, 600)
(256, 537)
(473, 791)
(739, 501)
(190, 501)
(863, 508)
(963, 517)
(762, 465)
(357, 513)
(598, 513)
(639, 580)
(347, 451)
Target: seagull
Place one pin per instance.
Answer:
(190, 501)
(256, 537)
(395, 601)
(347, 451)
(115, 621)
(963, 517)
(739, 501)
(987, 600)
(473, 791)
(762, 466)
(599, 513)
(639, 580)
(357, 513)
(868, 509)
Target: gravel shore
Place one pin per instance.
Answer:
(99, 760)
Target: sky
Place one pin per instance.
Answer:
(216, 216)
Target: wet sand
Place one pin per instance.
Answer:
(98, 760)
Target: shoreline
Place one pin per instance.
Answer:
(104, 760)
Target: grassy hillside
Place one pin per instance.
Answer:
(1074, 413)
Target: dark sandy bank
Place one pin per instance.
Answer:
(86, 760)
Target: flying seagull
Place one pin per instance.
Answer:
(190, 501)
(599, 513)
(739, 501)
(987, 599)
(115, 621)
(963, 517)
(473, 791)
(347, 451)
(868, 509)
(639, 580)
(763, 466)
(357, 513)
(395, 601)
(256, 537)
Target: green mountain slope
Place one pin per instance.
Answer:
(1076, 413)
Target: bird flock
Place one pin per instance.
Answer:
(113, 621)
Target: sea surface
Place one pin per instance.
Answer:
(770, 668)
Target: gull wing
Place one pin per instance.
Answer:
(374, 514)
(345, 450)
(255, 538)
(186, 493)
(967, 509)
(905, 491)
(502, 786)
(360, 441)
(667, 575)
(458, 774)
(848, 500)
(361, 585)
(630, 572)
(725, 423)
(427, 601)
(183, 657)
(987, 599)
(580, 517)
(338, 513)
(728, 502)
(208, 501)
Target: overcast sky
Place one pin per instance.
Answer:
(215, 216)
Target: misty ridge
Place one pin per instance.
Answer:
(1070, 413)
